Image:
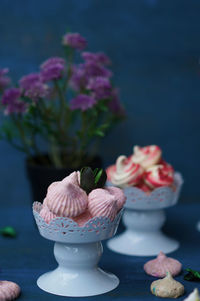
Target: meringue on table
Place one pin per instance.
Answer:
(159, 266)
(167, 287)
(194, 296)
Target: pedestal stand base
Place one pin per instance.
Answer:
(77, 274)
(198, 226)
(142, 244)
(68, 283)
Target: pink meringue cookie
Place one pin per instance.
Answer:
(109, 171)
(52, 187)
(82, 219)
(9, 290)
(146, 156)
(46, 214)
(73, 178)
(127, 173)
(162, 264)
(159, 175)
(66, 199)
(102, 203)
(144, 187)
(118, 194)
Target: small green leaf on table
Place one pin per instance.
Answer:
(192, 275)
(8, 231)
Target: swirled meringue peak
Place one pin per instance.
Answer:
(118, 194)
(146, 156)
(109, 171)
(73, 178)
(9, 290)
(159, 175)
(194, 296)
(162, 264)
(127, 173)
(167, 287)
(66, 199)
(102, 203)
(46, 214)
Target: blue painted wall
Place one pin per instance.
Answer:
(155, 48)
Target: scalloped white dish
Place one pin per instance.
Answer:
(143, 218)
(77, 251)
(64, 229)
(159, 198)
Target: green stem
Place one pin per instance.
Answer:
(61, 97)
(54, 153)
(83, 134)
(23, 138)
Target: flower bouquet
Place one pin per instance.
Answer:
(55, 115)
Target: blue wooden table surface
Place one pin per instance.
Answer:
(25, 258)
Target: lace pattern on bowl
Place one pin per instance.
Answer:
(63, 229)
(159, 198)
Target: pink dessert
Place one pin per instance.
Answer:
(159, 175)
(126, 173)
(76, 197)
(110, 170)
(102, 203)
(142, 185)
(144, 169)
(146, 156)
(67, 199)
(46, 214)
(9, 290)
(161, 265)
(73, 178)
(118, 194)
(82, 219)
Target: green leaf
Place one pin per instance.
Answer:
(100, 178)
(99, 133)
(192, 275)
(8, 231)
(87, 179)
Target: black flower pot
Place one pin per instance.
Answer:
(41, 176)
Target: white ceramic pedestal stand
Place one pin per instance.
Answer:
(77, 251)
(198, 226)
(143, 218)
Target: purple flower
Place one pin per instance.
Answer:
(4, 80)
(74, 40)
(82, 74)
(37, 91)
(99, 57)
(53, 68)
(79, 79)
(100, 86)
(82, 102)
(12, 102)
(27, 81)
(115, 106)
(33, 87)
(94, 69)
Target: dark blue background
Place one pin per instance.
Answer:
(155, 48)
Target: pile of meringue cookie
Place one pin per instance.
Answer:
(144, 169)
(82, 196)
(166, 268)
